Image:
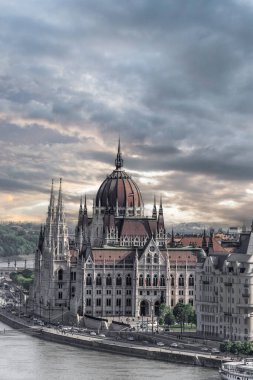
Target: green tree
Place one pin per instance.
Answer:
(169, 319)
(163, 311)
(182, 313)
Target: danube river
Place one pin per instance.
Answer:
(23, 357)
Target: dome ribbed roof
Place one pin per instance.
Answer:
(119, 191)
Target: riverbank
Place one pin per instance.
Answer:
(112, 346)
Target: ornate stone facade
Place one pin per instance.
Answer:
(120, 262)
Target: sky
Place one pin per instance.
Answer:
(173, 79)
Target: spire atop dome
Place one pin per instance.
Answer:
(119, 159)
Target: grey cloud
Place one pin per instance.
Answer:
(32, 135)
(173, 78)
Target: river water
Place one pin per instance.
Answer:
(23, 357)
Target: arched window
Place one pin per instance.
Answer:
(119, 280)
(60, 275)
(73, 290)
(162, 281)
(128, 280)
(156, 258)
(181, 300)
(155, 280)
(172, 283)
(191, 302)
(99, 280)
(141, 280)
(181, 280)
(191, 280)
(148, 258)
(108, 280)
(148, 280)
(88, 280)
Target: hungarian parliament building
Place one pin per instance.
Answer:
(124, 263)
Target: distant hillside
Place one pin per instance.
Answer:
(18, 239)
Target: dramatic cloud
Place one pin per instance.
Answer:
(173, 78)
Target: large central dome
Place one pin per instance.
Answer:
(119, 192)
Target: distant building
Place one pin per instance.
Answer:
(119, 262)
(235, 231)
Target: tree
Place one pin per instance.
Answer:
(169, 319)
(163, 311)
(183, 313)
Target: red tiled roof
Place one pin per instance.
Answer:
(112, 255)
(132, 227)
(178, 256)
(197, 241)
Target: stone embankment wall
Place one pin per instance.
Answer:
(152, 353)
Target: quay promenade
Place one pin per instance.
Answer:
(133, 347)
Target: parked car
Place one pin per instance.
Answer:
(215, 351)
(92, 333)
(174, 344)
(160, 344)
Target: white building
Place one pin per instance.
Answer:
(224, 299)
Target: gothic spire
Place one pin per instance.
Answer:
(51, 202)
(119, 159)
(80, 217)
(85, 204)
(161, 206)
(160, 221)
(154, 213)
(60, 215)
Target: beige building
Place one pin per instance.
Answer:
(224, 300)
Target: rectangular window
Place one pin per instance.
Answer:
(88, 301)
(98, 302)
(128, 302)
(118, 302)
(73, 276)
(140, 292)
(60, 295)
(118, 292)
(108, 291)
(99, 291)
(108, 302)
(88, 291)
(148, 293)
(60, 286)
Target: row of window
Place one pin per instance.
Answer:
(108, 280)
(108, 302)
(128, 280)
(148, 282)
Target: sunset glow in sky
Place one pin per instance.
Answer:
(173, 78)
